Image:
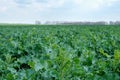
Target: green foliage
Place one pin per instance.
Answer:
(59, 52)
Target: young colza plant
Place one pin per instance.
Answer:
(59, 52)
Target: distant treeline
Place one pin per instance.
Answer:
(80, 23)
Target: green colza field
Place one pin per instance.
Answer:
(59, 52)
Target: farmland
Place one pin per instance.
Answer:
(59, 52)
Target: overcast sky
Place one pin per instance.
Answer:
(27, 11)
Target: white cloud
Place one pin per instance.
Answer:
(3, 9)
(39, 5)
(52, 9)
(48, 4)
(94, 4)
(30, 4)
(6, 5)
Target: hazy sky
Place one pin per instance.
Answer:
(27, 11)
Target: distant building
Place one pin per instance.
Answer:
(114, 23)
(111, 23)
(80, 23)
(37, 22)
(76, 23)
(117, 23)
